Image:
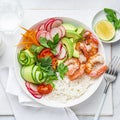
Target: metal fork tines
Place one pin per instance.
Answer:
(112, 72)
(110, 77)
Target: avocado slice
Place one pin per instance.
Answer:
(69, 26)
(69, 45)
(75, 53)
(80, 30)
(72, 34)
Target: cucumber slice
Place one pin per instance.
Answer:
(25, 57)
(39, 76)
(26, 73)
(34, 73)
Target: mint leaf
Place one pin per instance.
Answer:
(112, 17)
(62, 69)
(43, 42)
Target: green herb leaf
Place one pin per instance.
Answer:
(47, 61)
(43, 42)
(112, 17)
(62, 69)
(56, 39)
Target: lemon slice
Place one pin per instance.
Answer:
(105, 30)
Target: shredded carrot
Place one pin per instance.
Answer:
(29, 38)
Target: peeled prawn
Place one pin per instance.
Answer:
(91, 63)
(73, 64)
(78, 73)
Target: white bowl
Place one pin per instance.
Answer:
(102, 16)
(79, 100)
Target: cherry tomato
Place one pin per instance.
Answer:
(47, 53)
(45, 89)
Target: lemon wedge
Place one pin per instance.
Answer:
(105, 30)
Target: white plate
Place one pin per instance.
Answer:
(82, 98)
(102, 16)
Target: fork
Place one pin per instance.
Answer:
(110, 76)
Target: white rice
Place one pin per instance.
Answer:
(66, 90)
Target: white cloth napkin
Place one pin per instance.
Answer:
(26, 109)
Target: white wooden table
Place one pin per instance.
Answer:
(81, 4)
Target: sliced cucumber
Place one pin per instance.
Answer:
(25, 57)
(26, 73)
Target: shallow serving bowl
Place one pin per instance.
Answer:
(79, 100)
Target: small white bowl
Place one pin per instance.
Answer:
(102, 16)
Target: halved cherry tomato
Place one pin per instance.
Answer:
(47, 53)
(45, 89)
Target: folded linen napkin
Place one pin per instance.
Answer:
(24, 108)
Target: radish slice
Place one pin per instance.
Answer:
(33, 90)
(41, 33)
(62, 53)
(41, 27)
(62, 29)
(54, 31)
(48, 36)
(57, 23)
(49, 23)
(58, 48)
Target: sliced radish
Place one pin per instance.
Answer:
(62, 30)
(33, 90)
(62, 53)
(58, 48)
(57, 23)
(48, 36)
(54, 31)
(41, 27)
(41, 33)
(49, 23)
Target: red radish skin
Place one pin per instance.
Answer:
(57, 23)
(49, 23)
(35, 93)
(59, 48)
(62, 29)
(41, 27)
(62, 54)
(41, 33)
(54, 31)
(48, 36)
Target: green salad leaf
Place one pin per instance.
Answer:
(50, 44)
(43, 42)
(62, 69)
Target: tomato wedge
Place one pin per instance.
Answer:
(45, 89)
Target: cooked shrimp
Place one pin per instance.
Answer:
(100, 71)
(80, 46)
(91, 63)
(78, 73)
(93, 49)
(92, 42)
(73, 64)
